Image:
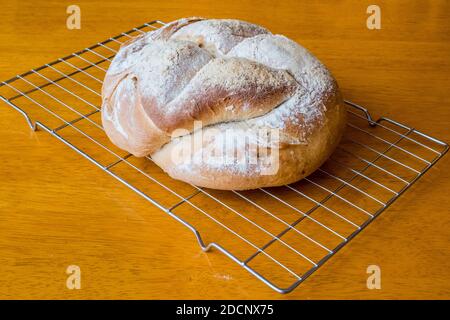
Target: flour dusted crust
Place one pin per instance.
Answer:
(236, 78)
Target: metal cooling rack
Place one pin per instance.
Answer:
(295, 228)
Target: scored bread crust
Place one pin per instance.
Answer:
(234, 77)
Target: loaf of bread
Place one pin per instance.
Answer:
(222, 104)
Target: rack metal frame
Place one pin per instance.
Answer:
(424, 142)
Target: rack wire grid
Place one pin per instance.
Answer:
(295, 228)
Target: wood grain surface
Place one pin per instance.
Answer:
(57, 209)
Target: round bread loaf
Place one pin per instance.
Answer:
(222, 104)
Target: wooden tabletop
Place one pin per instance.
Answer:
(57, 209)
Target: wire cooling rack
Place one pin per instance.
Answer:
(295, 228)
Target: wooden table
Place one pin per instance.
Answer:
(59, 210)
